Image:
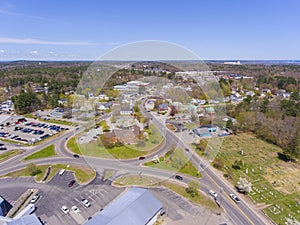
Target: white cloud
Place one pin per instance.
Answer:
(27, 41)
(4, 12)
(35, 52)
(2, 51)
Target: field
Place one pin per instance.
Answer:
(275, 182)
(44, 153)
(175, 161)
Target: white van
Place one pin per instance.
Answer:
(61, 172)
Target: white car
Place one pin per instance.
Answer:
(35, 198)
(235, 198)
(75, 209)
(61, 172)
(86, 203)
(65, 209)
(212, 193)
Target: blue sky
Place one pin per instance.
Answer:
(214, 29)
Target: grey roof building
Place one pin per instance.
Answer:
(136, 206)
(25, 220)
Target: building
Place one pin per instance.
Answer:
(4, 207)
(104, 105)
(133, 86)
(206, 130)
(209, 110)
(233, 63)
(122, 136)
(126, 110)
(25, 220)
(7, 106)
(136, 206)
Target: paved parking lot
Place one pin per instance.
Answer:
(56, 193)
(29, 130)
(99, 193)
(60, 194)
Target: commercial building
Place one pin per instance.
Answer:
(25, 220)
(4, 207)
(136, 206)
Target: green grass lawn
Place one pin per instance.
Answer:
(96, 149)
(200, 199)
(260, 165)
(177, 161)
(82, 174)
(60, 122)
(9, 154)
(130, 180)
(44, 153)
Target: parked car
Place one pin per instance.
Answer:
(35, 198)
(75, 209)
(61, 172)
(86, 203)
(3, 148)
(212, 193)
(178, 177)
(65, 209)
(71, 183)
(235, 198)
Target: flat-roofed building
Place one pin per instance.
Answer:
(136, 206)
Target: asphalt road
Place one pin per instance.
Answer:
(240, 213)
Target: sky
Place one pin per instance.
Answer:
(213, 29)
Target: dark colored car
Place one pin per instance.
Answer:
(76, 156)
(178, 177)
(72, 182)
(3, 148)
(141, 157)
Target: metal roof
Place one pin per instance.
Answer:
(25, 220)
(137, 206)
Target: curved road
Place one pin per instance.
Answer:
(240, 213)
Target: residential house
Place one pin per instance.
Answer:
(104, 105)
(126, 110)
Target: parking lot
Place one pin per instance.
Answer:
(99, 193)
(28, 130)
(56, 193)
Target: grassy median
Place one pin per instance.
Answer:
(44, 153)
(9, 154)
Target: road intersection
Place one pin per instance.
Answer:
(239, 213)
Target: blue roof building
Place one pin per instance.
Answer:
(206, 130)
(136, 206)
